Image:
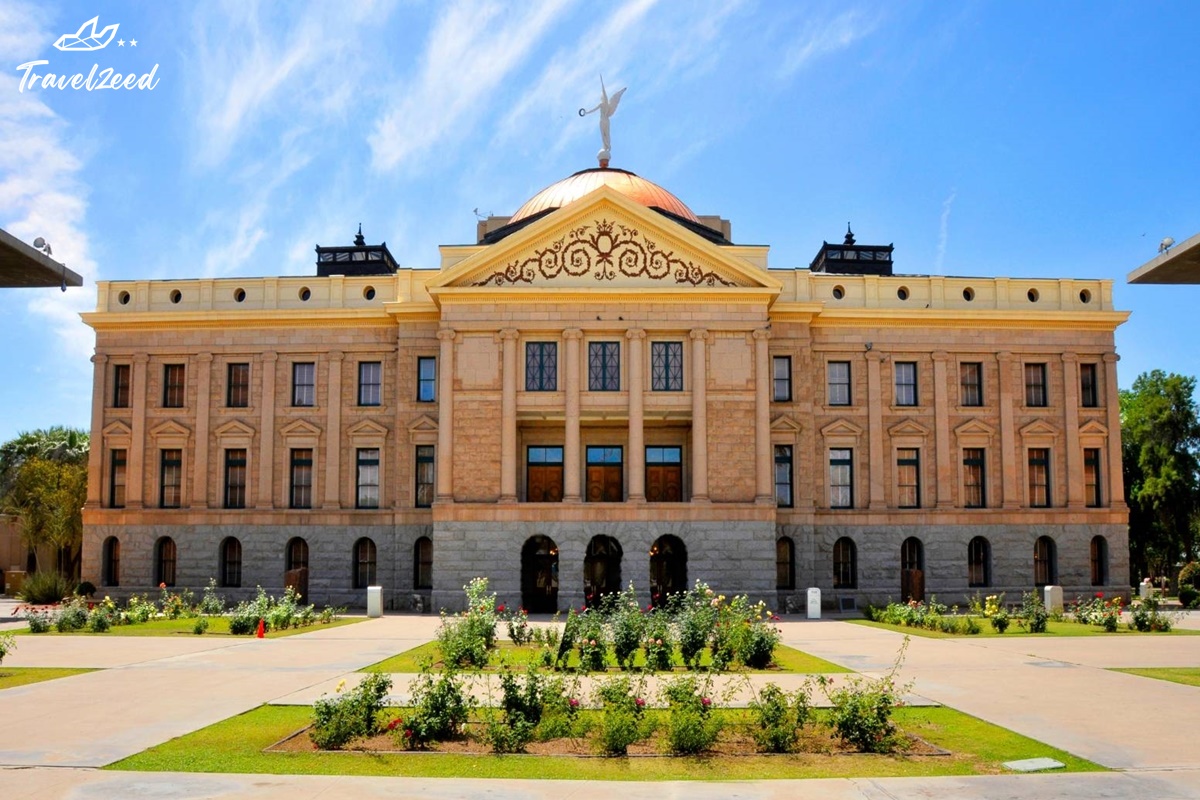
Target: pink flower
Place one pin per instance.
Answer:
(574, 703)
(1099, 594)
(640, 702)
(500, 608)
(396, 723)
(706, 702)
(658, 641)
(162, 585)
(592, 642)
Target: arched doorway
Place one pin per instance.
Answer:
(539, 575)
(296, 567)
(668, 568)
(912, 570)
(601, 569)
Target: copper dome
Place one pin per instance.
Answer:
(639, 190)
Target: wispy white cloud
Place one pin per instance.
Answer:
(944, 232)
(472, 49)
(822, 37)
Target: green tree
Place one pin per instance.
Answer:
(43, 482)
(1160, 437)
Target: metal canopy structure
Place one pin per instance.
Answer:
(24, 266)
(1180, 264)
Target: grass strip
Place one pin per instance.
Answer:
(217, 626)
(11, 677)
(1053, 628)
(236, 745)
(1188, 676)
(787, 659)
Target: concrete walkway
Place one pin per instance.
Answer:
(1056, 690)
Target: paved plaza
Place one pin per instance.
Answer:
(54, 735)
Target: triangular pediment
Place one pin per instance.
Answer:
(908, 427)
(367, 428)
(975, 427)
(234, 428)
(423, 424)
(116, 430)
(300, 427)
(170, 429)
(841, 427)
(1039, 427)
(604, 241)
(1093, 428)
(785, 424)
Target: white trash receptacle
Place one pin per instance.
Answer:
(1053, 599)
(1145, 589)
(374, 601)
(814, 603)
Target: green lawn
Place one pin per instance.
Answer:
(20, 676)
(217, 626)
(1188, 676)
(236, 745)
(1064, 628)
(788, 659)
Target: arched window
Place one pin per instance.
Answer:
(364, 563)
(423, 563)
(231, 562)
(110, 568)
(979, 562)
(1045, 562)
(539, 575)
(601, 569)
(845, 564)
(164, 561)
(668, 568)
(297, 554)
(912, 569)
(785, 563)
(1099, 561)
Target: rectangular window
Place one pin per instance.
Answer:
(425, 476)
(841, 479)
(604, 366)
(541, 366)
(302, 479)
(605, 475)
(1091, 477)
(1039, 477)
(1035, 385)
(170, 486)
(1088, 396)
(906, 383)
(173, 375)
(839, 383)
(370, 383)
(121, 380)
(426, 379)
(783, 476)
(304, 384)
(974, 486)
(235, 478)
(908, 477)
(116, 479)
(970, 380)
(237, 390)
(544, 474)
(666, 366)
(781, 377)
(664, 474)
(367, 481)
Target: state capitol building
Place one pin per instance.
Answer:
(605, 388)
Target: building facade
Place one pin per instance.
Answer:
(605, 389)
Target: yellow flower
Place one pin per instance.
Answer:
(341, 684)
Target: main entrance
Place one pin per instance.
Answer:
(668, 569)
(601, 569)
(539, 575)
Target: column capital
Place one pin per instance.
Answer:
(1111, 358)
(941, 357)
(698, 334)
(446, 334)
(141, 358)
(99, 358)
(572, 333)
(508, 334)
(761, 333)
(204, 358)
(635, 334)
(1070, 358)
(269, 356)
(1005, 357)
(873, 356)
(336, 355)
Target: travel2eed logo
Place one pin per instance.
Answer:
(86, 40)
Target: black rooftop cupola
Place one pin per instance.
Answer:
(851, 258)
(359, 259)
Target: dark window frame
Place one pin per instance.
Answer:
(174, 385)
(231, 562)
(785, 564)
(122, 383)
(781, 388)
(166, 557)
(835, 398)
(1098, 560)
(366, 563)
(110, 558)
(841, 461)
(364, 461)
(970, 383)
(425, 461)
(304, 384)
(666, 366)
(784, 458)
(1093, 492)
(603, 461)
(117, 457)
(604, 366)
(1037, 394)
(549, 456)
(426, 384)
(300, 478)
(1039, 467)
(370, 386)
(971, 461)
(170, 467)
(845, 563)
(1045, 562)
(979, 562)
(237, 385)
(903, 464)
(423, 563)
(1089, 390)
(541, 366)
(235, 490)
(905, 379)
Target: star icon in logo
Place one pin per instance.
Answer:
(120, 42)
(133, 42)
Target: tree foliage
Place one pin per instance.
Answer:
(1160, 441)
(43, 482)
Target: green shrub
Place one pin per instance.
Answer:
(461, 642)
(778, 717)
(98, 621)
(560, 711)
(1033, 613)
(138, 609)
(39, 621)
(570, 633)
(695, 620)
(1189, 576)
(628, 625)
(175, 604)
(593, 643)
(8, 643)
(72, 616)
(1189, 596)
(200, 625)
(622, 720)
(243, 624)
(212, 603)
(507, 734)
(517, 623)
(338, 720)
(691, 727)
(658, 645)
(861, 713)
(45, 587)
(1000, 621)
(523, 699)
(971, 626)
(440, 709)
(1145, 616)
(758, 645)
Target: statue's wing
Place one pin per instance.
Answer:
(614, 101)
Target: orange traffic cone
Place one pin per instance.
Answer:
(261, 629)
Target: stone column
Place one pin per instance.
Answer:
(637, 439)
(508, 418)
(764, 481)
(571, 482)
(333, 433)
(1112, 401)
(877, 458)
(942, 393)
(266, 432)
(699, 416)
(202, 366)
(135, 480)
(1010, 395)
(1073, 458)
(95, 488)
(445, 442)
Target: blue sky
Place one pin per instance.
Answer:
(1007, 138)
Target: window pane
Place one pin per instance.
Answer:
(1035, 385)
(237, 393)
(973, 478)
(370, 383)
(541, 366)
(301, 485)
(840, 479)
(425, 476)
(121, 386)
(908, 478)
(235, 478)
(304, 390)
(116, 487)
(666, 366)
(1091, 476)
(171, 476)
(173, 377)
(782, 379)
(906, 383)
(368, 478)
(783, 476)
(971, 381)
(426, 380)
(1087, 386)
(1039, 477)
(839, 383)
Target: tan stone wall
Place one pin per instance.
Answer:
(476, 449)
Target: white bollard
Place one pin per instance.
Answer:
(814, 603)
(374, 601)
(1053, 599)
(1145, 589)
